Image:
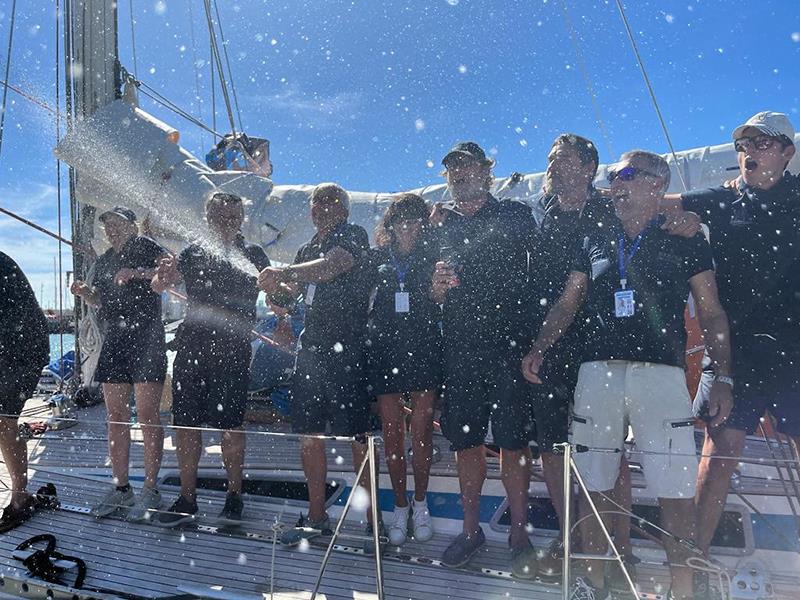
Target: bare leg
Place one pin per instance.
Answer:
(190, 443)
(471, 465)
(119, 434)
(15, 455)
(315, 467)
(592, 538)
(622, 495)
(233, 442)
(422, 440)
(553, 472)
(713, 480)
(359, 452)
(678, 518)
(148, 401)
(515, 470)
(393, 419)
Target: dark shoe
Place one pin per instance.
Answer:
(615, 578)
(232, 511)
(582, 589)
(523, 562)
(461, 549)
(551, 561)
(369, 542)
(14, 517)
(181, 511)
(305, 530)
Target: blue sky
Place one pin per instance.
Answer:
(371, 94)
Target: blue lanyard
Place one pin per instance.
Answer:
(625, 259)
(400, 269)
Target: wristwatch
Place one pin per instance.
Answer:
(724, 379)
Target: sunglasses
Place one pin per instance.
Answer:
(628, 174)
(761, 142)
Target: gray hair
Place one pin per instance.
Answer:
(332, 191)
(654, 163)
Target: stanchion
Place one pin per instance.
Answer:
(369, 459)
(373, 486)
(569, 468)
(617, 557)
(567, 449)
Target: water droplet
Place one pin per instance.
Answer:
(337, 347)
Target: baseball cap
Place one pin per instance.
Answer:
(466, 152)
(120, 211)
(773, 124)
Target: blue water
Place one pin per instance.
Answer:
(55, 344)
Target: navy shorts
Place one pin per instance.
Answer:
(764, 381)
(550, 406)
(484, 387)
(329, 390)
(133, 356)
(16, 388)
(209, 385)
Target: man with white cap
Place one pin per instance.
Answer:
(755, 236)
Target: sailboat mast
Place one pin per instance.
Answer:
(92, 73)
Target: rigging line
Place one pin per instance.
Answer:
(3, 104)
(196, 68)
(587, 80)
(228, 64)
(26, 96)
(133, 39)
(651, 92)
(160, 99)
(255, 432)
(58, 211)
(213, 88)
(215, 54)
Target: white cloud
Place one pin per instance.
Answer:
(312, 110)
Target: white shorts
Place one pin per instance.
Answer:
(653, 400)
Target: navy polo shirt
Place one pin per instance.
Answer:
(134, 305)
(658, 274)
(222, 291)
(338, 312)
(561, 235)
(755, 237)
(492, 309)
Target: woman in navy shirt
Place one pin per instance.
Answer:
(404, 353)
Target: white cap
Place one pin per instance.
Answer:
(770, 123)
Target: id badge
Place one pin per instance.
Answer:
(623, 303)
(310, 294)
(401, 302)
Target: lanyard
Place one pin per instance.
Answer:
(625, 259)
(400, 269)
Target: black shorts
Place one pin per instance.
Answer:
(209, 384)
(550, 406)
(16, 388)
(398, 368)
(484, 387)
(133, 356)
(329, 388)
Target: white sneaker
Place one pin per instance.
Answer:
(421, 516)
(398, 530)
(114, 501)
(148, 501)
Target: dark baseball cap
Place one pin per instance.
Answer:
(465, 152)
(120, 211)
